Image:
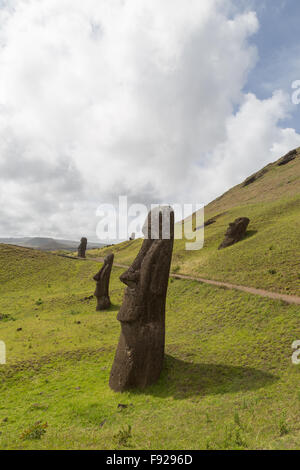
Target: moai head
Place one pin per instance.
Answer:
(235, 232)
(82, 247)
(139, 357)
(108, 261)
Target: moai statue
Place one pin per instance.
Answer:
(82, 248)
(102, 288)
(139, 357)
(235, 232)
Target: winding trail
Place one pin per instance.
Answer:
(290, 299)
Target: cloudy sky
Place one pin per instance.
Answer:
(160, 100)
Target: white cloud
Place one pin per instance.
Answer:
(253, 139)
(109, 97)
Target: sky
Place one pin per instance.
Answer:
(152, 100)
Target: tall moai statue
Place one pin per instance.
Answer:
(102, 288)
(82, 248)
(140, 353)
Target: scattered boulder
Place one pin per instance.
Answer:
(102, 288)
(82, 248)
(132, 236)
(140, 353)
(122, 406)
(235, 232)
(288, 158)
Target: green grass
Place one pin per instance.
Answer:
(267, 258)
(228, 381)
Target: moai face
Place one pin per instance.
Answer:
(231, 229)
(139, 357)
(237, 228)
(102, 289)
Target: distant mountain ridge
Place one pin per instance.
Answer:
(48, 244)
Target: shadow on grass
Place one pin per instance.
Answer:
(113, 308)
(249, 234)
(182, 379)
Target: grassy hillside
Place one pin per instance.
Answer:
(228, 381)
(269, 255)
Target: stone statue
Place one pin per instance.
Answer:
(82, 248)
(139, 357)
(235, 232)
(102, 288)
(288, 157)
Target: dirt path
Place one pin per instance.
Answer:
(100, 260)
(290, 299)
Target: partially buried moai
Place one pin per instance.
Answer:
(102, 288)
(82, 247)
(139, 357)
(235, 232)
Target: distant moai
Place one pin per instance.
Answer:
(102, 288)
(140, 353)
(235, 232)
(82, 248)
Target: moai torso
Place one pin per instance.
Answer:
(140, 353)
(82, 248)
(102, 288)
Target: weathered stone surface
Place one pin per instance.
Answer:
(235, 232)
(140, 353)
(102, 289)
(82, 248)
(288, 158)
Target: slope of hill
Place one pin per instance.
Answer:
(47, 244)
(268, 257)
(228, 380)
